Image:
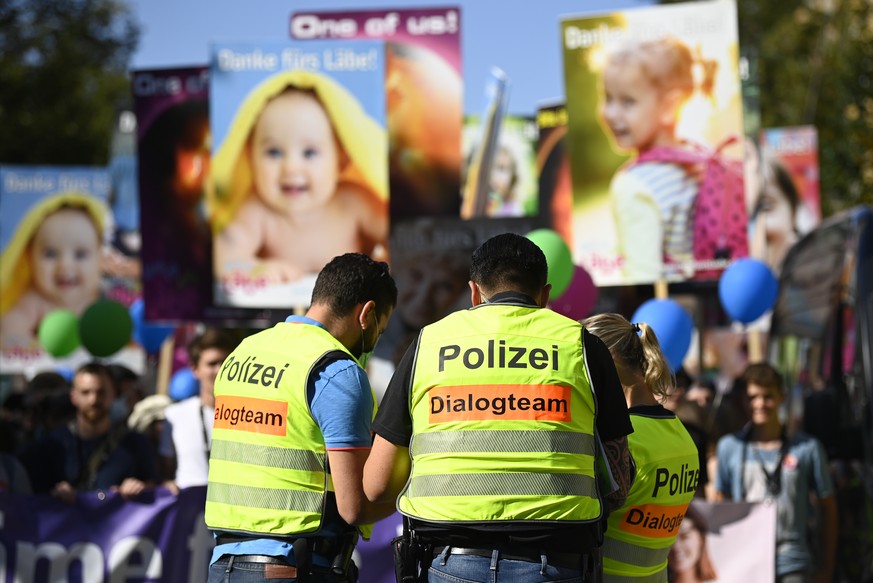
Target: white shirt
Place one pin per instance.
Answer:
(187, 437)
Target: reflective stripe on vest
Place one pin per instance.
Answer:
(640, 534)
(503, 420)
(267, 470)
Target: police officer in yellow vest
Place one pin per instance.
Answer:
(293, 409)
(501, 409)
(640, 534)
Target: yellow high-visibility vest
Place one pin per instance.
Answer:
(503, 418)
(268, 463)
(640, 534)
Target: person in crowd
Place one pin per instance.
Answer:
(128, 390)
(187, 435)
(763, 462)
(13, 476)
(42, 407)
(666, 458)
(91, 453)
(504, 409)
(293, 410)
(147, 417)
(300, 163)
(689, 560)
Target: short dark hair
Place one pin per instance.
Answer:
(96, 368)
(354, 278)
(763, 375)
(509, 262)
(220, 338)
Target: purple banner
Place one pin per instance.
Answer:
(157, 537)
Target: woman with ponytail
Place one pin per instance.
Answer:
(640, 533)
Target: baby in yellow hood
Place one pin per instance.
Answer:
(52, 262)
(300, 179)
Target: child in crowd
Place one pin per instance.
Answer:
(53, 261)
(300, 179)
(665, 219)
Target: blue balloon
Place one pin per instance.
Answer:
(672, 325)
(747, 289)
(149, 336)
(183, 384)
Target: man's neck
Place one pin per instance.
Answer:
(207, 400)
(767, 433)
(89, 430)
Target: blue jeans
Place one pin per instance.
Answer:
(221, 571)
(472, 569)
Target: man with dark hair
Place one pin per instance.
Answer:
(508, 406)
(187, 433)
(293, 409)
(763, 462)
(91, 453)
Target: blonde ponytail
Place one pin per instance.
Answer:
(634, 351)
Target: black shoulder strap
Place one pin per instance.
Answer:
(88, 476)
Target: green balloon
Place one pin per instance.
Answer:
(59, 332)
(558, 258)
(105, 327)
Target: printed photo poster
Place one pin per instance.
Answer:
(55, 254)
(512, 184)
(173, 157)
(424, 96)
(787, 203)
(655, 142)
(553, 169)
(713, 535)
(299, 165)
(173, 149)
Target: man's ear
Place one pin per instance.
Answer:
(475, 294)
(364, 317)
(544, 295)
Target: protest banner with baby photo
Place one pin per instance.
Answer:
(299, 166)
(424, 92)
(655, 121)
(56, 262)
(173, 155)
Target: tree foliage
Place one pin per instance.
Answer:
(63, 74)
(815, 67)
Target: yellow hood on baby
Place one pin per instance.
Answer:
(15, 268)
(363, 139)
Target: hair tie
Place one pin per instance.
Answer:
(636, 327)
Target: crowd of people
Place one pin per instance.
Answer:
(518, 444)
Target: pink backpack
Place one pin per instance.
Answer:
(720, 223)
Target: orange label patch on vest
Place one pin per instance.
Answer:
(653, 520)
(252, 415)
(500, 402)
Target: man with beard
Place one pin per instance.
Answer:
(90, 453)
